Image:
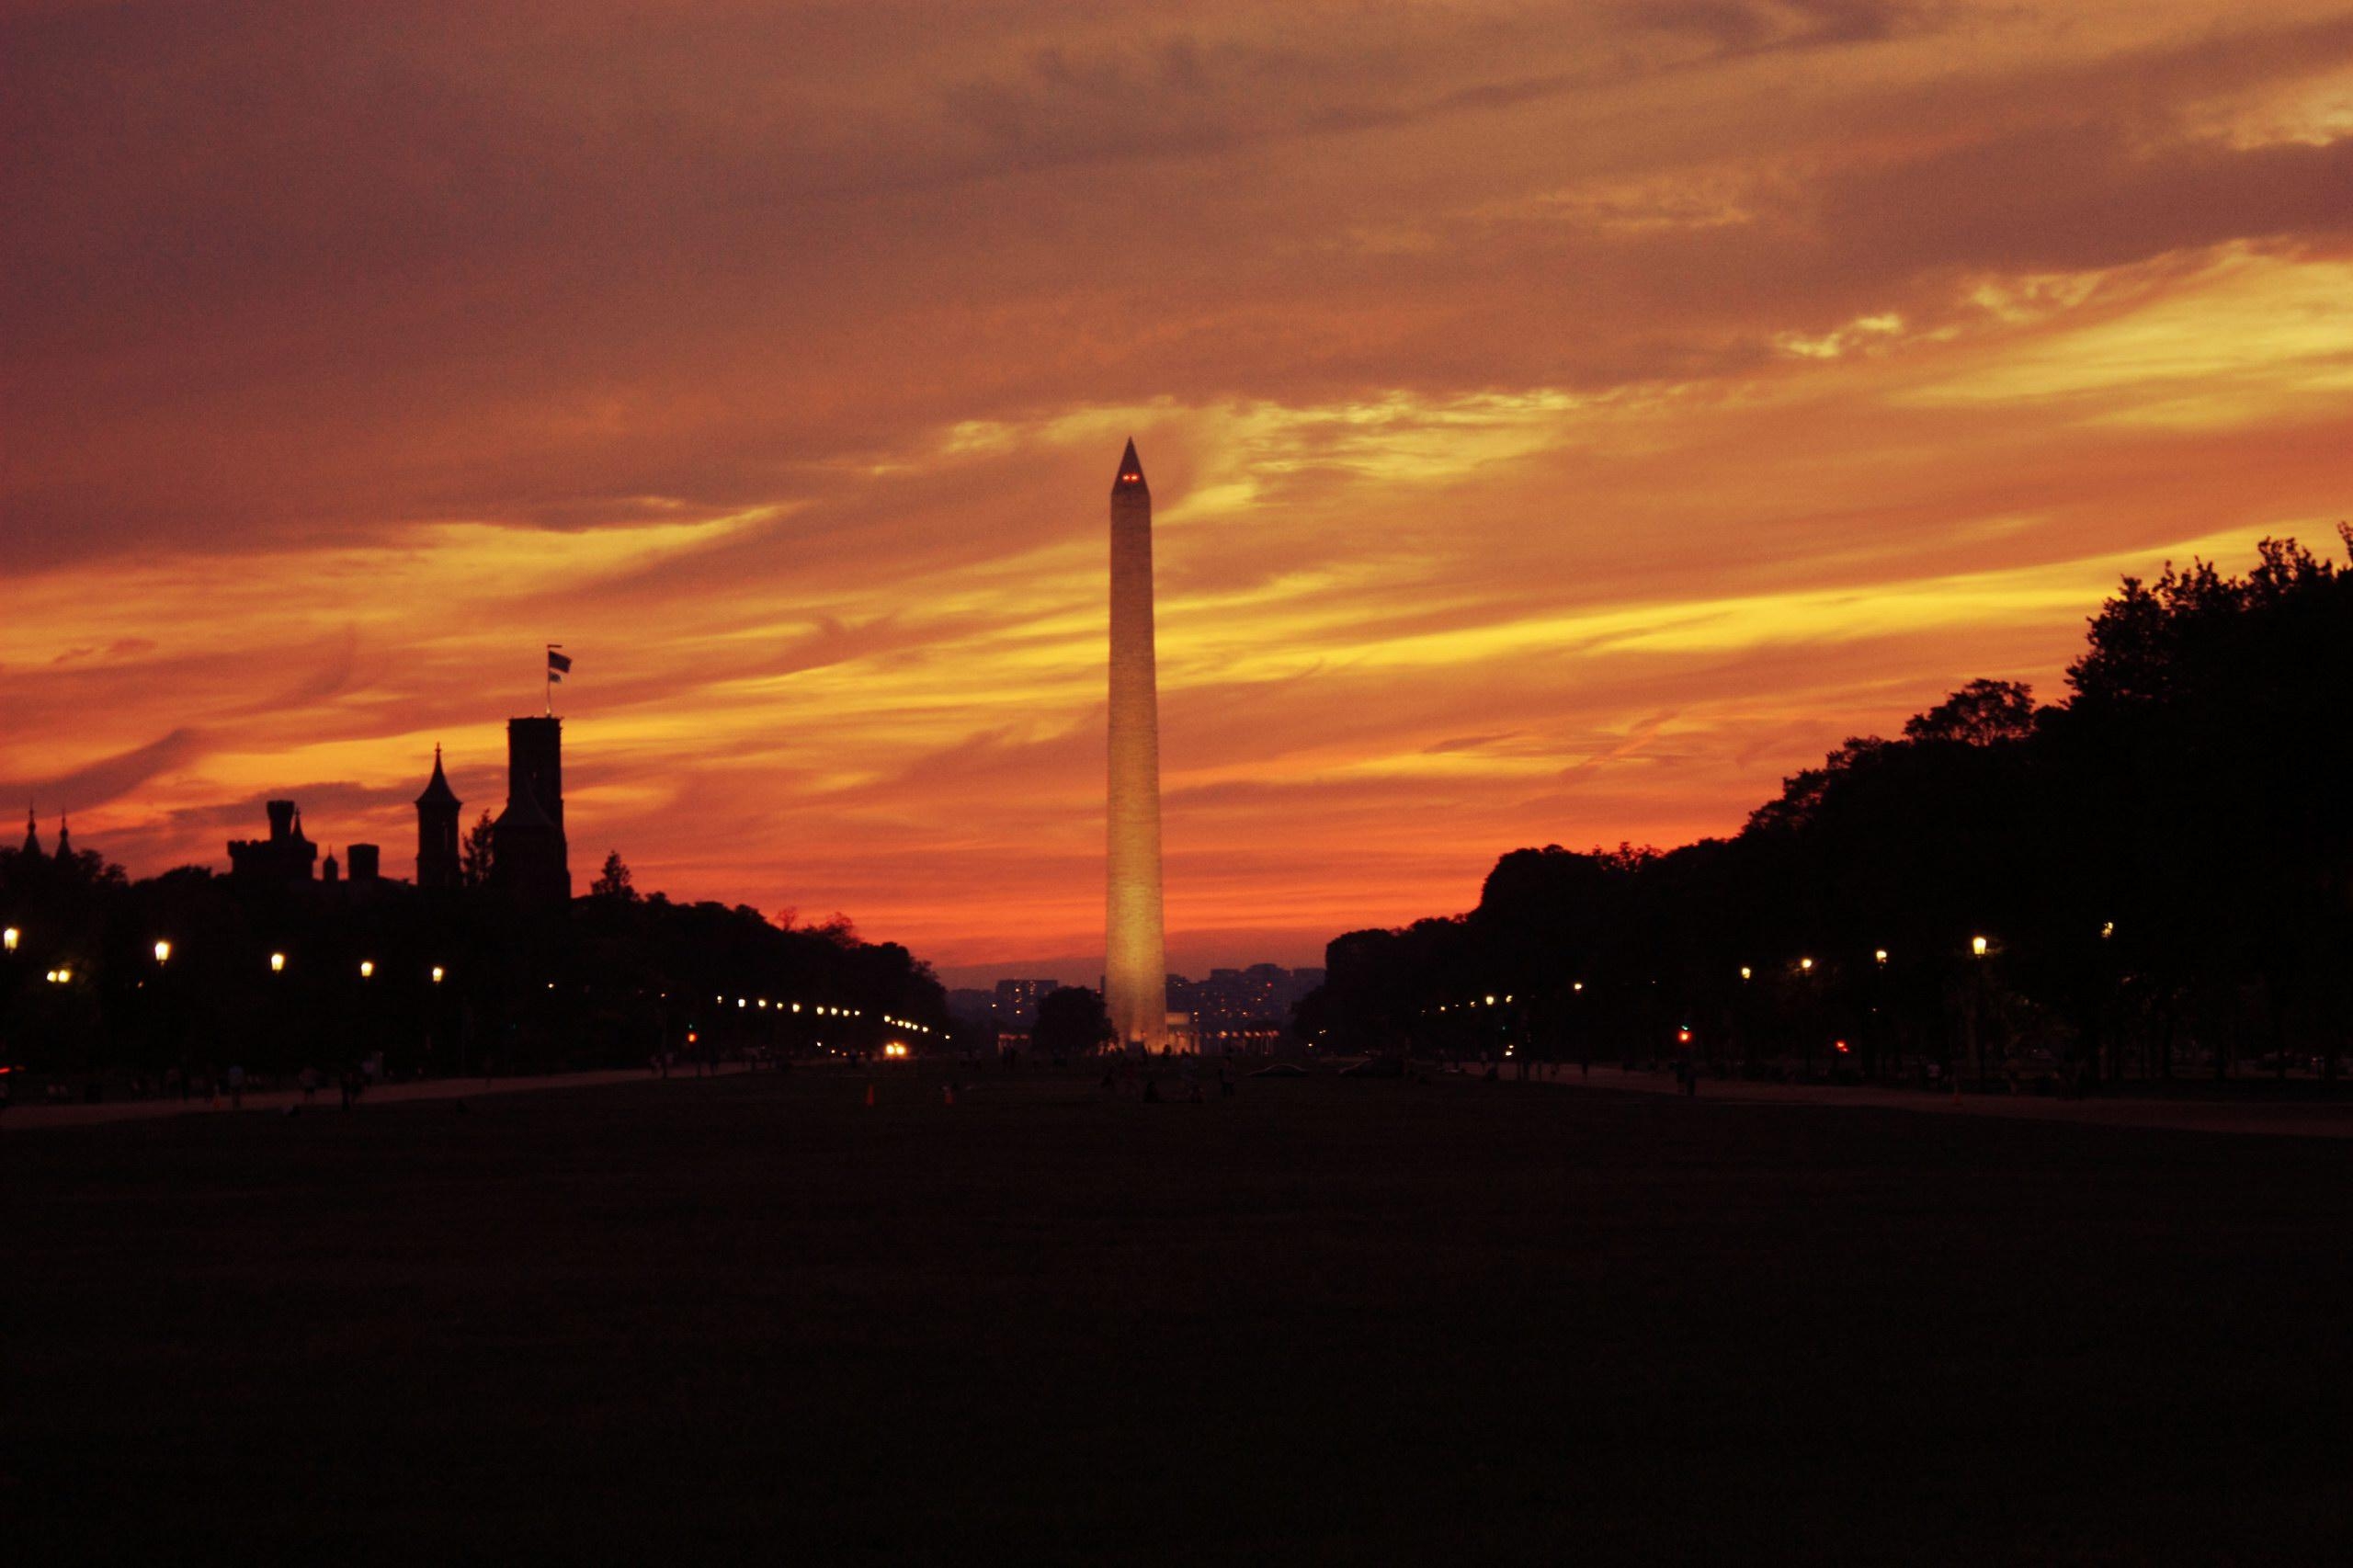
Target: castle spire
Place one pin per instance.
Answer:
(436, 830)
(32, 835)
(436, 788)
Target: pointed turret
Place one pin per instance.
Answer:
(436, 788)
(64, 840)
(32, 835)
(436, 830)
(1131, 475)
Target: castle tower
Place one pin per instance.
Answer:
(529, 854)
(436, 830)
(285, 856)
(535, 754)
(32, 836)
(1135, 969)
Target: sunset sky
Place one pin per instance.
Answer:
(1564, 420)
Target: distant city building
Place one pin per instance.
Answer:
(331, 871)
(972, 1004)
(528, 854)
(1239, 1009)
(436, 830)
(363, 863)
(284, 856)
(1014, 1004)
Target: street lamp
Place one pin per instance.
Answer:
(1746, 972)
(438, 973)
(1806, 965)
(163, 952)
(1878, 955)
(9, 937)
(1977, 946)
(278, 964)
(367, 969)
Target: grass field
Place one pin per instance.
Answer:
(1327, 1321)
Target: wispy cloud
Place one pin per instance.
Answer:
(1566, 419)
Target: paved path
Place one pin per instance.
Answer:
(2285, 1118)
(329, 1097)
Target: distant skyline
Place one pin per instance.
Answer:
(1564, 421)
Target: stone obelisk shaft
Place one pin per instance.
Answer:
(1135, 970)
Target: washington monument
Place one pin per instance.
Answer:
(1135, 968)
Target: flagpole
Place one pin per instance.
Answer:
(557, 664)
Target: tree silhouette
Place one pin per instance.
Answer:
(475, 855)
(2162, 866)
(269, 969)
(1071, 1022)
(1982, 713)
(613, 882)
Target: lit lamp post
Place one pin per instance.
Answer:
(278, 964)
(1810, 1017)
(10, 938)
(1876, 1032)
(1978, 948)
(163, 961)
(432, 1017)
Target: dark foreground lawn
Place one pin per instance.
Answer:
(1326, 1321)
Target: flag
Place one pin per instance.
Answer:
(559, 664)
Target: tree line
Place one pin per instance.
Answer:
(2150, 877)
(191, 969)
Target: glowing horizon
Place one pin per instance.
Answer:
(1565, 422)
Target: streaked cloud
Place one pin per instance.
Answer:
(1566, 419)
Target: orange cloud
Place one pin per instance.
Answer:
(1565, 420)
